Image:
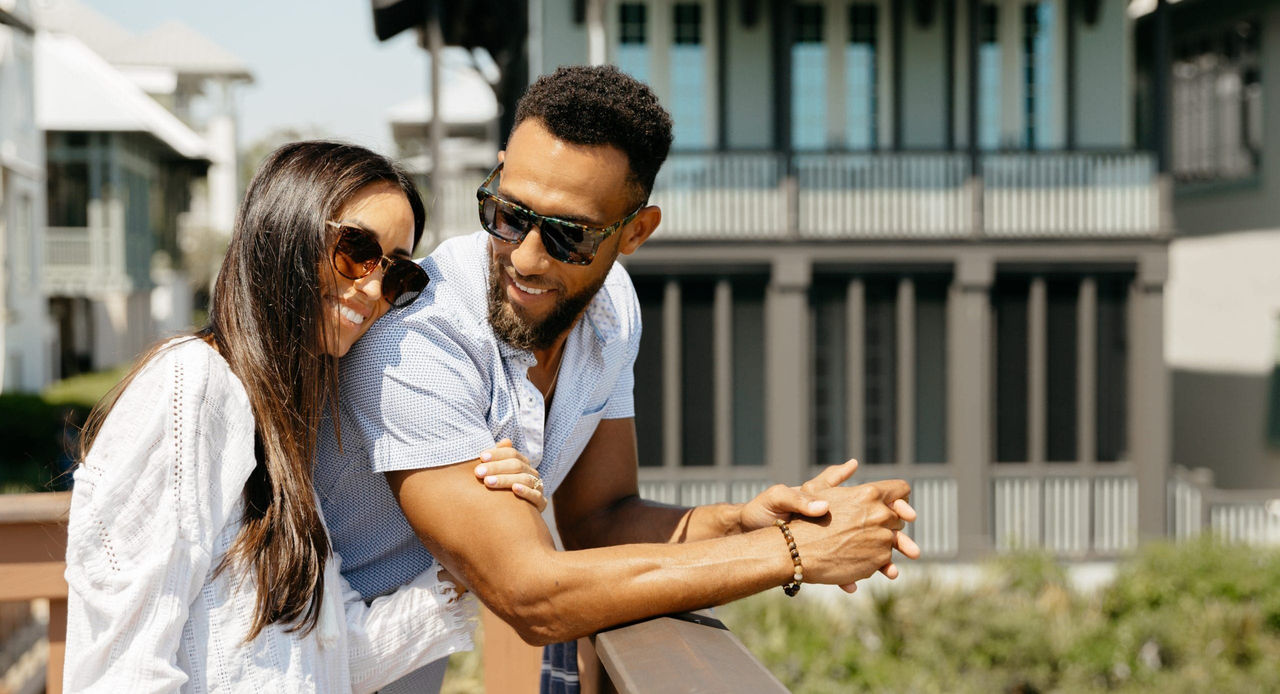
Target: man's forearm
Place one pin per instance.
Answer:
(551, 596)
(635, 520)
(501, 549)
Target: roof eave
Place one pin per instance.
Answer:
(10, 19)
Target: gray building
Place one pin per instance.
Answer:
(1223, 65)
(921, 234)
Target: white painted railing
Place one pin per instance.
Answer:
(1237, 515)
(1070, 194)
(722, 195)
(456, 207)
(937, 507)
(845, 196)
(1069, 516)
(763, 196)
(86, 261)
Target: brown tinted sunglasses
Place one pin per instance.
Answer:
(358, 253)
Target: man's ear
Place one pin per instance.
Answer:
(640, 229)
(502, 155)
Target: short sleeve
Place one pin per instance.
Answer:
(621, 402)
(415, 393)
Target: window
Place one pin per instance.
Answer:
(1013, 305)
(860, 74)
(808, 79)
(1061, 368)
(879, 372)
(633, 46)
(68, 190)
(689, 83)
(697, 360)
(1217, 104)
(648, 374)
(828, 302)
(697, 373)
(990, 66)
(748, 371)
(1112, 369)
(931, 369)
(1009, 300)
(1037, 51)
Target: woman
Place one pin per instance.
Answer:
(197, 557)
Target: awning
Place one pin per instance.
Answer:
(78, 91)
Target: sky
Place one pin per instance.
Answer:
(316, 63)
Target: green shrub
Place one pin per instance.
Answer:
(1200, 616)
(34, 456)
(40, 431)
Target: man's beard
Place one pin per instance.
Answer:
(517, 331)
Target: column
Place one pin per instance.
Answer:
(722, 337)
(969, 398)
(672, 387)
(787, 356)
(1149, 393)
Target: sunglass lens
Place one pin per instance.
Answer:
(403, 282)
(567, 243)
(356, 254)
(502, 221)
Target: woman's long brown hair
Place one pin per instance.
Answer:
(267, 322)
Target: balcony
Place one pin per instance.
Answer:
(90, 260)
(770, 197)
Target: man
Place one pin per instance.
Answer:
(530, 333)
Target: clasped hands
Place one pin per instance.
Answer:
(844, 534)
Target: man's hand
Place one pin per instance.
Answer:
(858, 536)
(780, 502)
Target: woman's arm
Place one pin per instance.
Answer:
(133, 570)
(421, 622)
(428, 618)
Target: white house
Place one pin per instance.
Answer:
(25, 330)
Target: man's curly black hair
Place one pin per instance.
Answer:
(601, 105)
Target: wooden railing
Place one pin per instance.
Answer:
(689, 652)
(33, 548)
(684, 653)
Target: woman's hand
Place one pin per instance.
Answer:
(503, 467)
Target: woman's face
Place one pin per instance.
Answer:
(351, 306)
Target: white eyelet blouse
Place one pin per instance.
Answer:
(156, 506)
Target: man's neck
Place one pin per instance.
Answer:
(543, 373)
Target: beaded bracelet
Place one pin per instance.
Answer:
(794, 586)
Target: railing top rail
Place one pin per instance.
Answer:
(46, 507)
(912, 151)
(688, 652)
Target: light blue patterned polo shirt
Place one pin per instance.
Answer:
(430, 385)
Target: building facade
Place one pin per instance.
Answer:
(920, 234)
(142, 185)
(1223, 63)
(25, 332)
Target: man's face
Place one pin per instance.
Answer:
(533, 298)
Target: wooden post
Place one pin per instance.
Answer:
(57, 645)
(510, 665)
(32, 564)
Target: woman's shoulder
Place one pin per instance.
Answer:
(189, 365)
